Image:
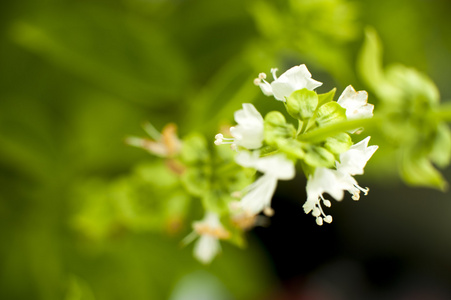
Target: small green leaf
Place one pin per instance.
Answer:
(441, 148)
(418, 170)
(338, 143)
(277, 128)
(302, 104)
(194, 149)
(317, 156)
(326, 97)
(329, 113)
(196, 181)
(370, 60)
(215, 202)
(291, 147)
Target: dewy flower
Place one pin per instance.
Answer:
(355, 103)
(334, 182)
(259, 194)
(294, 79)
(210, 231)
(249, 131)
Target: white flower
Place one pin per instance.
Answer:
(210, 231)
(323, 181)
(294, 79)
(355, 103)
(352, 163)
(334, 182)
(249, 131)
(259, 194)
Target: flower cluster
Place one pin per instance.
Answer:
(235, 187)
(272, 146)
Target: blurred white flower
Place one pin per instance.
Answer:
(166, 144)
(259, 194)
(210, 231)
(294, 79)
(249, 131)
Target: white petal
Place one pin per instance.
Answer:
(247, 159)
(277, 165)
(294, 79)
(260, 195)
(309, 205)
(355, 103)
(354, 160)
(266, 88)
(249, 131)
(206, 248)
(324, 181)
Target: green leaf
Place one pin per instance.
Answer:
(277, 128)
(326, 97)
(194, 149)
(317, 156)
(196, 181)
(215, 202)
(338, 143)
(291, 147)
(330, 113)
(441, 148)
(418, 170)
(370, 60)
(302, 104)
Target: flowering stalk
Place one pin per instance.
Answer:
(236, 186)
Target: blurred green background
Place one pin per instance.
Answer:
(76, 77)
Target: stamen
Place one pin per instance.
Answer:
(268, 211)
(273, 72)
(316, 212)
(220, 140)
(151, 131)
(257, 81)
(319, 221)
(328, 219)
(356, 196)
(262, 76)
(326, 202)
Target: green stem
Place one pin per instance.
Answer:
(304, 126)
(322, 133)
(444, 112)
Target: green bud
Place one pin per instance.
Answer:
(194, 149)
(277, 128)
(330, 113)
(326, 97)
(317, 156)
(338, 144)
(302, 104)
(196, 180)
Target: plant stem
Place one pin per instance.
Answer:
(324, 132)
